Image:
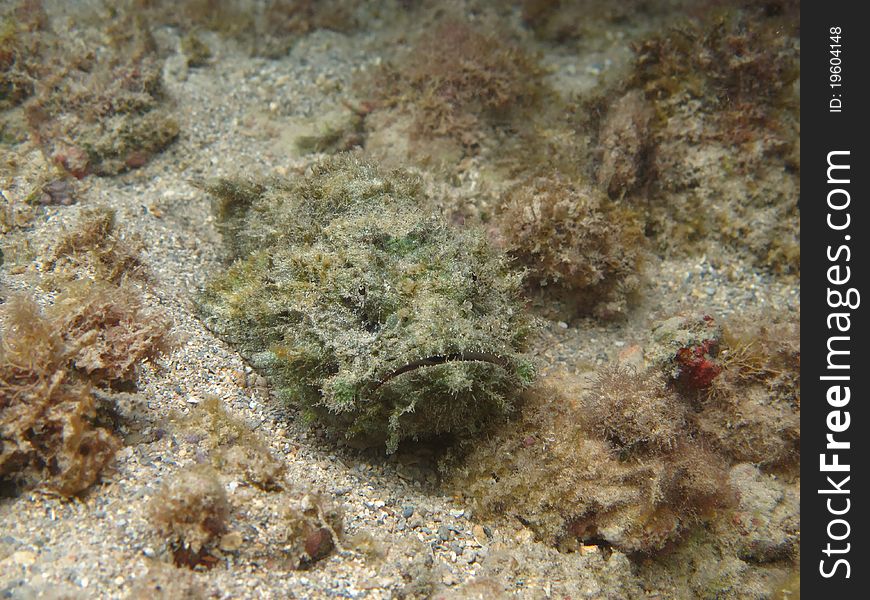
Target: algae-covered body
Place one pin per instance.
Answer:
(378, 317)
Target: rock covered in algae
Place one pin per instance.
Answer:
(374, 314)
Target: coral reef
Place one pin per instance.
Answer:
(744, 379)
(99, 112)
(767, 517)
(28, 183)
(14, 215)
(98, 309)
(571, 161)
(372, 313)
(57, 192)
(47, 431)
(571, 238)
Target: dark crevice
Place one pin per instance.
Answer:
(442, 359)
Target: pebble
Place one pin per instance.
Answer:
(407, 511)
(479, 535)
(231, 542)
(23, 558)
(524, 536)
(444, 533)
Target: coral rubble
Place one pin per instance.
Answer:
(200, 524)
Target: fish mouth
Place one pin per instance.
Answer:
(441, 359)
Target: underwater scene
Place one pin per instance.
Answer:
(412, 299)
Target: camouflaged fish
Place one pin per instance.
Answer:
(379, 318)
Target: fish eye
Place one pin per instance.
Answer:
(361, 290)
